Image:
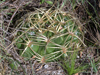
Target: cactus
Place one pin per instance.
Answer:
(47, 35)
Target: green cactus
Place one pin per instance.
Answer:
(48, 35)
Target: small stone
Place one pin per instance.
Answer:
(45, 66)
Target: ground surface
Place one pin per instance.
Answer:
(13, 10)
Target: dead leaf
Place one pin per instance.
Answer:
(76, 74)
(81, 54)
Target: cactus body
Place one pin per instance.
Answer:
(48, 35)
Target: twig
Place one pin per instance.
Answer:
(13, 16)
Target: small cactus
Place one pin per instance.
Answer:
(47, 35)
